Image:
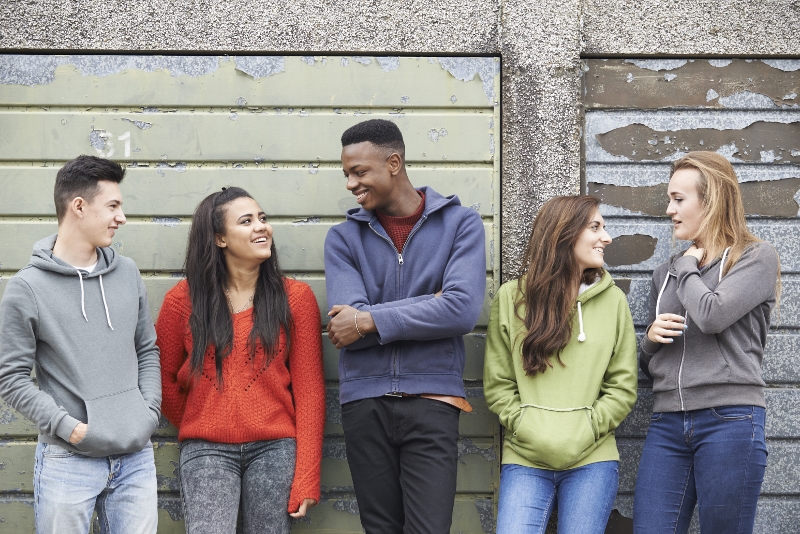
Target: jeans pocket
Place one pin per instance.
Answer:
(655, 416)
(51, 450)
(732, 413)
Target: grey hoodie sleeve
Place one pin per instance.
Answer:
(749, 283)
(147, 354)
(649, 348)
(18, 330)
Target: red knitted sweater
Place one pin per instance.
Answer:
(255, 403)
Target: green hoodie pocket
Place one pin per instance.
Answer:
(557, 438)
(120, 423)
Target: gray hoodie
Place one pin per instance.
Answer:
(717, 361)
(92, 340)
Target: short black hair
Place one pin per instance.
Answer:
(379, 132)
(79, 177)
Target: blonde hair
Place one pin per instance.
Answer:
(723, 223)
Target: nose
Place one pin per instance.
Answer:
(605, 237)
(671, 209)
(121, 219)
(352, 183)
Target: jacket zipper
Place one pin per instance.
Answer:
(399, 262)
(680, 369)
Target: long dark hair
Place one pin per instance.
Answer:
(550, 277)
(211, 321)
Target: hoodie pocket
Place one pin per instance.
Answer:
(120, 423)
(554, 437)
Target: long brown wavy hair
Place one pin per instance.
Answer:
(550, 277)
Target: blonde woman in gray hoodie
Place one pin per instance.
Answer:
(709, 316)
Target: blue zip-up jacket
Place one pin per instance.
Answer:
(419, 346)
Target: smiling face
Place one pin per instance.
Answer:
(591, 244)
(248, 235)
(685, 205)
(102, 215)
(370, 174)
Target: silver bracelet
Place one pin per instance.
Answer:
(355, 319)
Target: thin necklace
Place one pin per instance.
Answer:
(228, 294)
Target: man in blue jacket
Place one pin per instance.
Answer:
(406, 276)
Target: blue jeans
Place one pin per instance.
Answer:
(715, 457)
(67, 486)
(584, 496)
(215, 477)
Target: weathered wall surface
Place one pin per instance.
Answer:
(184, 126)
(540, 46)
(640, 116)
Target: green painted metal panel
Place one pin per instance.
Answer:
(161, 246)
(219, 135)
(185, 127)
(285, 191)
(291, 81)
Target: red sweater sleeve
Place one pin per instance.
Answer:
(172, 321)
(308, 388)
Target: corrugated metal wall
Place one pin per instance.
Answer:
(185, 126)
(642, 114)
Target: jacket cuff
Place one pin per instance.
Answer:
(388, 324)
(686, 263)
(650, 347)
(65, 427)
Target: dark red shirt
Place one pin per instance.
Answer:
(398, 228)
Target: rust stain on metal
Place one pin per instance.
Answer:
(650, 200)
(760, 142)
(616, 83)
(772, 198)
(630, 249)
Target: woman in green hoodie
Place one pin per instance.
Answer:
(561, 373)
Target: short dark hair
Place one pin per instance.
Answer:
(379, 132)
(79, 177)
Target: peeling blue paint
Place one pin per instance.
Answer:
(786, 65)
(720, 62)
(657, 64)
(23, 69)
(309, 220)
(260, 66)
(465, 69)
(388, 64)
(167, 221)
(309, 60)
(362, 59)
(142, 125)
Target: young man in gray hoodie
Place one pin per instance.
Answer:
(78, 313)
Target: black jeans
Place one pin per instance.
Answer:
(216, 476)
(403, 454)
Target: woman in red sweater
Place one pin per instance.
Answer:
(241, 366)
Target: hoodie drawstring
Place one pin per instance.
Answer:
(661, 292)
(102, 292)
(83, 307)
(582, 335)
(722, 263)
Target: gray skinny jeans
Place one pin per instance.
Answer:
(215, 477)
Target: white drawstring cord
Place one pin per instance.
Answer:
(103, 292)
(663, 286)
(581, 336)
(722, 263)
(83, 307)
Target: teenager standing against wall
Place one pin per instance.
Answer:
(406, 275)
(78, 313)
(242, 375)
(709, 316)
(560, 371)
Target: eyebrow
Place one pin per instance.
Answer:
(597, 222)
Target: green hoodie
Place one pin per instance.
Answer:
(565, 417)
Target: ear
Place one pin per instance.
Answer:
(78, 207)
(219, 240)
(395, 163)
